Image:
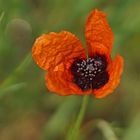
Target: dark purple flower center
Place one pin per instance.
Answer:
(90, 73)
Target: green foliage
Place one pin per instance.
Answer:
(133, 130)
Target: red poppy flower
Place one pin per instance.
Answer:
(69, 71)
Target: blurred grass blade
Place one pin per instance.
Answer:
(106, 130)
(133, 130)
(1, 16)
(102, 126)
(17, 72)
(12, 88)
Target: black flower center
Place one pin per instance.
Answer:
(90, 73)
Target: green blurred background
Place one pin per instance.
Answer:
(28, 111)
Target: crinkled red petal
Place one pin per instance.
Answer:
(98, 32)
(53, 49)
(115, 70)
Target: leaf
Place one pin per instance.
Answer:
(133, 131)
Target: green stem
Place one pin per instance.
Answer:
(75, 129)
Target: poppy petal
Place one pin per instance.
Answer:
(60, 82)
(97, 32)
(50, 50)
(115, 71)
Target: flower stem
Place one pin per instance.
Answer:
(75, 130)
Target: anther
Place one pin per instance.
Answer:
(90, 73)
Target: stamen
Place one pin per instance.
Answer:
(90, 73)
